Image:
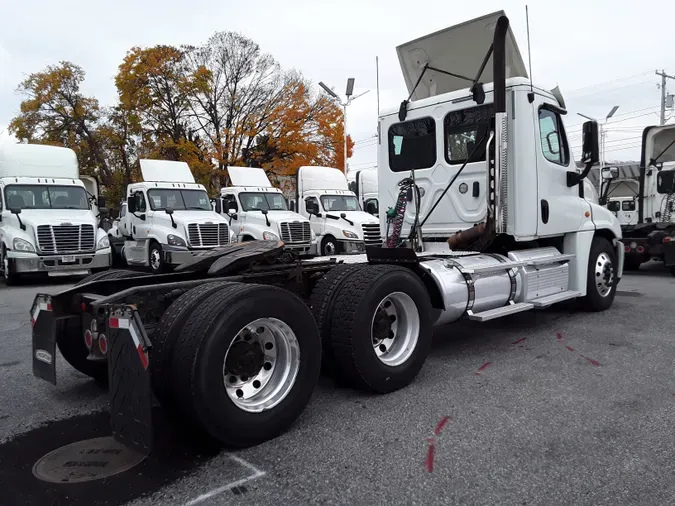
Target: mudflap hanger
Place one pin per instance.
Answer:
(129, 379)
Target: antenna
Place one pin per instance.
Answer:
(377, 80)
(530, 95)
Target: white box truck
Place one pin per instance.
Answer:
(258, 211)
(168, 217)
(366, 191)
(340, 224)
(49, 218)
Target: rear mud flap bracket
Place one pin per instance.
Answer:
(44, 338)
(129, 380)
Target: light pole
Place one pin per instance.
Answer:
(350, 98)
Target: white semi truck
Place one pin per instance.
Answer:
(168, 217)
(234, 342)
(256, 210)
(646, 196)
(340, 224)
(49, 214)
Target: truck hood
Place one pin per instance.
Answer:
(186, 217)
(358, 217)
(35, 217)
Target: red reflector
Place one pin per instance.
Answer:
(626, 249)
(103, 343)
(640, 249)
(88, 339)
(667, 239)
(83, 306)
(114, 323)
(49, 306)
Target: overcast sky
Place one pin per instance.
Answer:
(600, 53)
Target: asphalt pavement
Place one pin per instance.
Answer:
(544, 407)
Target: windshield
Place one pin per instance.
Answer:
(258, 201)
(179, 200)
(45, 197)
(340, 203)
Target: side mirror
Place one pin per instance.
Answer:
(218, 205)
(168, 210)
(101, 202)
(610, 173)
(311, 206)
(15, 210)
(665, 182)
(264, 211)
(590, 145)
(343, 215)
(131, 204)
(103, 211)
(371, 207)
(232, 207)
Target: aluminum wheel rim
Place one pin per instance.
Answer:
(329, 248)
(264, 388)
(604, 274)
(403, 329)
(155, 260)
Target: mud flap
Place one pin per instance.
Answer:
(44, 338)
(129, 380)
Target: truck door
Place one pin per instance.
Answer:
(138, 228)
(237, 219)
(318, 223)
(559, 207)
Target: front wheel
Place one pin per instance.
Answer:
(601, 276)
(11, 277)
(328, 246)
(156, 259)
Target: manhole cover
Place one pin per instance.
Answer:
(88, 460)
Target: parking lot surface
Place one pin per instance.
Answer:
(547, 407)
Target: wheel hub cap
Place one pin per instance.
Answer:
(245, 358)
(604, 274)
(395, 329)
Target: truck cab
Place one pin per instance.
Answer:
(256, 210)
(366, 191)
(49, 221)
(624, 208)
(338, 220)
(168, 217)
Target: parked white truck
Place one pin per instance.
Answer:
(168, 217)
(49, 214)
(256, 210)
(237, 352)
(646, 194)
(338, 221)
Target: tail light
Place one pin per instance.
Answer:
(88, 339)
(103, 343)
(626, 249)
(640, 249)
(667, 239)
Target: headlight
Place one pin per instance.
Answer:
(269, 236)
(175, 240)
(349, 234)
(22, 245)
(103, 243)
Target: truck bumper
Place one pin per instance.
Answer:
(176, 255)
(352, 247)
(24, 263)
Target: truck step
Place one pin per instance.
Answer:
(484, 269)
(543, 302)
(550, 260)
(498, 312)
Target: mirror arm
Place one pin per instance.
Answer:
(173, 223)
(574, 178)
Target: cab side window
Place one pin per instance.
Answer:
(552, 135)
(412, 145)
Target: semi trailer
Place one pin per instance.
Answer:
(232, 341)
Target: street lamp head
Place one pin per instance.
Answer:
(350, 87)
(611, 113)
(328, 90)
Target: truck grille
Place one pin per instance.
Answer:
(65, 238)
(208, 234)
(295, 232)
(371, 233)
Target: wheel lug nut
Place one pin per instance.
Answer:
(267, 366)
(256, 384)
(240, 393)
